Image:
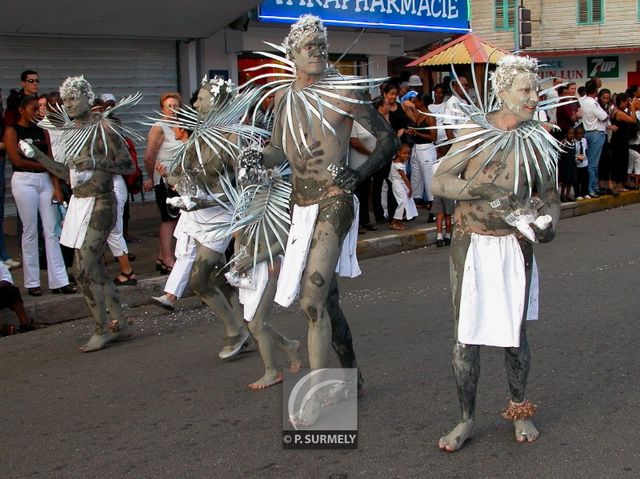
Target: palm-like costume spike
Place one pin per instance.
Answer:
(261, 212)
(535, 149)
(222, 129)
(310, 100)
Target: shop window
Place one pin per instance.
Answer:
(504, 14)
(350, 64)
(590, 12)
(252, 60)
(347, 65)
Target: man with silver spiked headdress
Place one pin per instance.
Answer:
(94, 151)
(314, 111)
(501, 170)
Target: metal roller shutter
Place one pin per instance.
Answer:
(117, 66)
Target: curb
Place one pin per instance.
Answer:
(62, 308)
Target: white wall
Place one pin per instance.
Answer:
(574, 68)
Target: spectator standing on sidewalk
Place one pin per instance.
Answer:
(567, 115)
(4, 255)
(594, 119)
(361, 144)
(30, 82)
(116, 242)
(567, 167)
(401, 187)
(423, 155)
(161, 145)
(33, 190)
(379, 197)
(605, 164)
(624, 118)
(582, 163)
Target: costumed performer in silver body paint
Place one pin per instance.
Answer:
(315, 108)
(94, 152)
(501, 170)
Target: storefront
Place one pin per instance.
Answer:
(618, 68)
(384, 30)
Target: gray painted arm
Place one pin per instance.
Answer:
(386, 140)
(55, 168)
(386, 146)
(549, 195)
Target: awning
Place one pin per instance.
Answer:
(466, 49)
(168, 19)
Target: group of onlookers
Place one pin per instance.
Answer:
(404, 182)
(601, 139)
(37, 195)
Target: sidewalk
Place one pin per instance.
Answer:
(52, 309)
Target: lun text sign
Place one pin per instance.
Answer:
(428, 15)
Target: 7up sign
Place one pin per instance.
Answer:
(603, 67)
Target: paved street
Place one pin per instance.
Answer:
(162, 404)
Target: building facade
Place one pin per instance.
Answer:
(575, 39)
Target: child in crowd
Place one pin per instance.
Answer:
(10, 298)
(401, 187)
(582, 163)
(567, 169)
(443, 208)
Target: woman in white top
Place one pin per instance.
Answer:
(158, 156)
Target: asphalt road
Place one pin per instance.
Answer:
(162, 404)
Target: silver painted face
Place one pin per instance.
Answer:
(203, 103)
(76, 106)
(310, 55)
(522, 98)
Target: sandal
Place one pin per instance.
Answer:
(164, 269)
(34, 291)
(396, 227)
(159, 264)
(68, 289)
(129, 281)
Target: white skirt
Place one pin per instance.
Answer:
(198, 225)
(250, 298)
(492, 298)
(303, 224)
(76, 221)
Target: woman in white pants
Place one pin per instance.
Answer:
(423, 156)
(33, 191)
(115, 241)
(178, 279)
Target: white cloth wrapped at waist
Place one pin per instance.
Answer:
(492, 298)
(79, 177)
(250, 298)
(76, 221)
(204, 226)
(303, 224)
